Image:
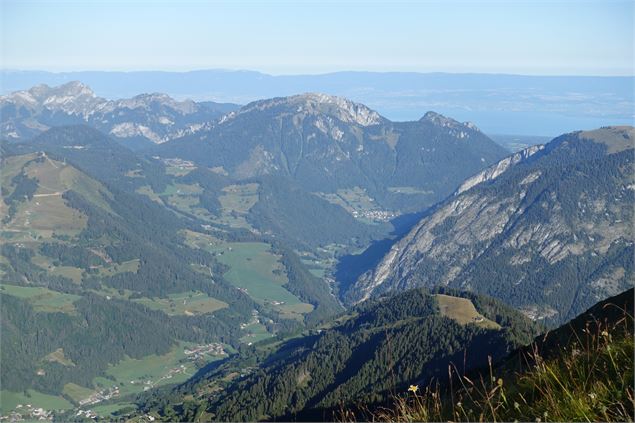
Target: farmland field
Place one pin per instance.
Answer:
(351, 199)
(76, 392)
(236, 202)
(115, 268)
(184, 303)
(42, 299)
(254, 332)
(46, 263)
(10, 400)
(136, 375)
(255, 269)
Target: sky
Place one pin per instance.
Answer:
(539, 37)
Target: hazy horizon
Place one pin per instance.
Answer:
(563, 37)
(316, 73)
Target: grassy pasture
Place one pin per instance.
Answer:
(115, 268)
(43, 216)
(255, 332)
(353, 200)
(54, 176)
(76, 392)
(239, 198)
(10, 400)
(184, 303)
(46, 263)
(181, 189)
(463, 311)
(254, 268)
(47, 213)
(179, 170)
(147, 191)
(134, 375)
(59, 357)
(200, 240)
(42, 299)
(236, 202)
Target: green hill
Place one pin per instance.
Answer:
(379, 348)
(95, 274)
(581, 371)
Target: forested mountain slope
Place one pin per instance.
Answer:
(327, 143)
(581, 371)
(102, 274)
(362, 357)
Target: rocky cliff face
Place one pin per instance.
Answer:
(548, 230)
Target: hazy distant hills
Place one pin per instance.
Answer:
(548, 230)
(499, 104)
(138, 121)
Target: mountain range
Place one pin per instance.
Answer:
(329, 145)
(284, 258)
(143, 119)
(501, 104)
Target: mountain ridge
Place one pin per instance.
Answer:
(327, 143)
(503, 215)
(153, 117)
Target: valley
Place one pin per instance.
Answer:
(303, 246)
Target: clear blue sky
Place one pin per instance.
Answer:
(582, 37)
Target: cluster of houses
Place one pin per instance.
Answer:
(201, 350)
(27, 412)
(89, 414)
(176, 162)
(99, 396)
(375, 215)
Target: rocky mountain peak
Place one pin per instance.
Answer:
(439, 119)
(74, 88)
(147, 100)
(157, 117)
(62, 97)
(316, 104)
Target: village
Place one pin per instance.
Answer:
(176, 162)
(375, 215)
(27, 412)
(200, 351)
(99, 396)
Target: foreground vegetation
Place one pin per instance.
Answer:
(589, 379)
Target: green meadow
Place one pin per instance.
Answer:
(42, 299)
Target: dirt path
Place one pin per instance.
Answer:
(48, 195)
